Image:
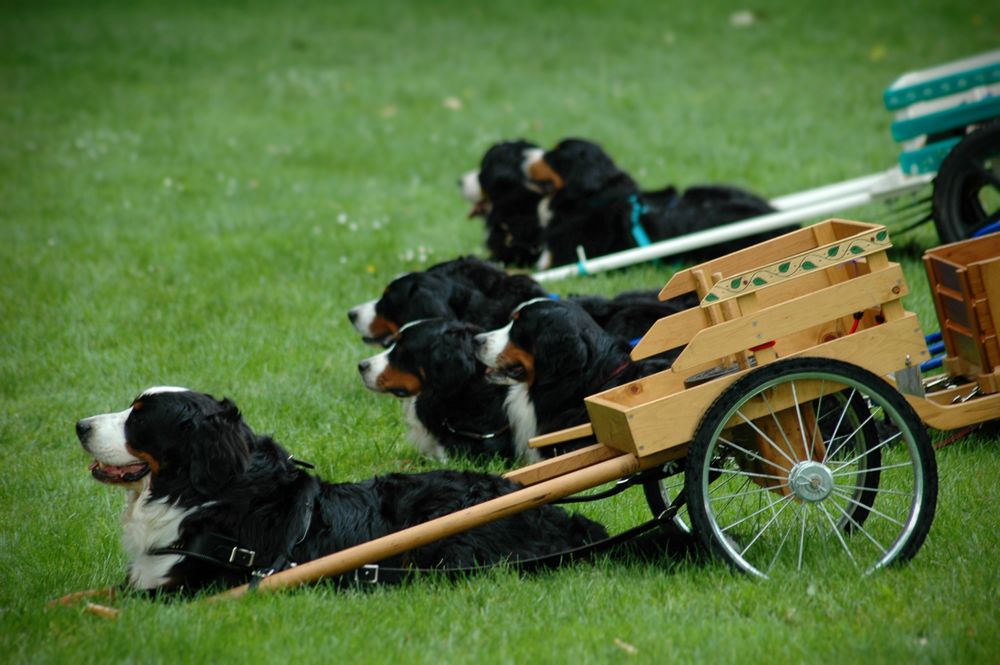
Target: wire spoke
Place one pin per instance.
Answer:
(751, 474)
(843, 442)
(871, 509)
(769, 506)
(837, 472)
(765, 436)
(802, 427)
(860, 528)
(836, 532)
(843, 412)
(784, 538)
(752, 454)
(881, 444)
(817, 411)
(777, 424)
(768, 524)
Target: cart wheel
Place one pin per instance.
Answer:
(660, 494)
(789, 468)
(967, 186)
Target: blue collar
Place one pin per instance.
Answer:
(639, 233)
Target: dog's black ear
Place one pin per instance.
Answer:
(453, 355)
(425, 301)
(566, 355)
(220, 448)
(462, 299)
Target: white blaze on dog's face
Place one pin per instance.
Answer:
(490, 345)
(471, 189)
(507, 362)
(362, 317)
(103, 436)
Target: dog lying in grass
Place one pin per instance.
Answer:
(209, 501)
(552, 355)
(593, 203)
(475, 291)
(450, 407)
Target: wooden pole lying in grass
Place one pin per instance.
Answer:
(401, 541)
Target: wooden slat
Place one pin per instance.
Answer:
(557, 466)
(953, 416)
(765, 252)
(867, 242)
(561, 436)
(788, 317)
(670, 332)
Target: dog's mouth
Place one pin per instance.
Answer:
(384, 341)
(118, 475)
(507, 375)
(479, 209)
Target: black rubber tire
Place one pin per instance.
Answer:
(970, 171)
(747, 524)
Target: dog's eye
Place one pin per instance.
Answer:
(400, 392)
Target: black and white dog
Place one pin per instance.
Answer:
(209, 500)
(465, 289)
(552, 355)
(507, 201)
(450, 406)
(594, 204)
(475, 291)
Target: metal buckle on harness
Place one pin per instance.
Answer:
(242, 557)
(367, 573)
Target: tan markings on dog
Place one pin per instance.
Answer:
(541, 171)
(154, 466)
(136, 405)
(394, 379)
(381, 326)
(515, 355)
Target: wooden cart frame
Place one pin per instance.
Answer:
(789, 392)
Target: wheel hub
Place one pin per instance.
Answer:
(811, 481)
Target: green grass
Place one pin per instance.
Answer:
(195, 193)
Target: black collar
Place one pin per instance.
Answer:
(474, 435)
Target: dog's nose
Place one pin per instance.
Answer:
(363, 366)
(82, 429)
(352, 314)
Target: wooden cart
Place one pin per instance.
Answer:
(786, 406)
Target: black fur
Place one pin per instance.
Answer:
(593, 208)
(475, 291)
(510, 208)
(456, 404)
(246, 487)
(573, 358)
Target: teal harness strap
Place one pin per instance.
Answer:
(639, 233)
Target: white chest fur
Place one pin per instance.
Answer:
(149, 525)
(523, 423)
(422, 440)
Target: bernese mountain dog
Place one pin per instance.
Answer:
(507, 202)
(209, 501)
(466, 289)
(593, 203)
(478, 292)
(450, 407)
(552, 355)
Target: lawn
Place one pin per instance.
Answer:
(195, 193)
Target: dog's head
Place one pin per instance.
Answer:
(410, 297)
(429, 354)
(500, 178)
(545, 341)
(577, 167)
(175, 439)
